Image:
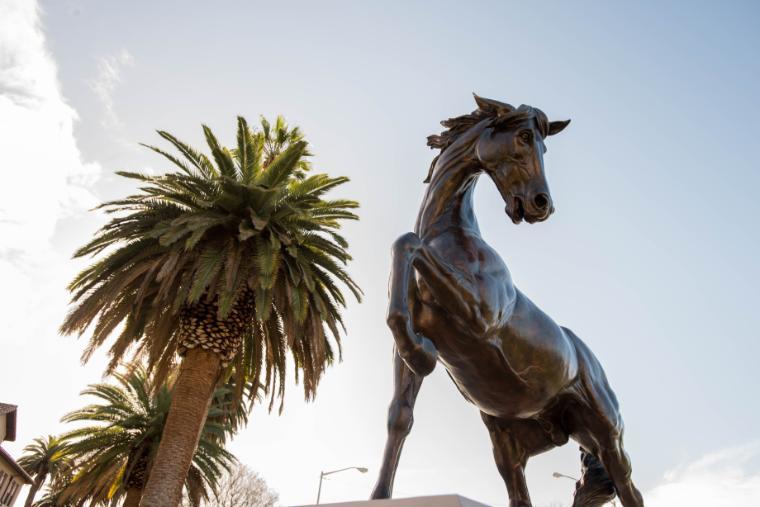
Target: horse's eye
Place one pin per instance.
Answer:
(526, 136)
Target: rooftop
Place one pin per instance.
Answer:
(9, 411)
(4, 456)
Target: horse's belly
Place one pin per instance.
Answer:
(500, 389)
(489, 386)
(515, 372)
(537, 347)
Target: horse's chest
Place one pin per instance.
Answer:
(496, 298)
(480, 278)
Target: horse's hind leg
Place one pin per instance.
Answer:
(595, 488)
(606, 442)
(400, 418)
(618, 466)
(511, 456)
(599, 429)
(597, 425)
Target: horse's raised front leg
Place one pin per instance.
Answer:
(417, 351)
(454, 290)
(406, 385)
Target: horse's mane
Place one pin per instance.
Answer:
(501, 115)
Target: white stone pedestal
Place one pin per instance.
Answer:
(420, 501)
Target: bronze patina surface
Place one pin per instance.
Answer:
(452, 301)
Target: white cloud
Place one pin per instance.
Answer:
(727, 478)
(110, 70)
(44, 180)
(44, 176)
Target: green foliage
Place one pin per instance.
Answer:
(122, 435)
(43, 459)
(43, 456)
(249, 219)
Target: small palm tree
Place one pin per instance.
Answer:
(43, 458)
(275, 139)
(230, 264)
(114, 456)
(53, 491)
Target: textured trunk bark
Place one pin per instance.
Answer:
(33, 490)
(133, 497)
(191, 398)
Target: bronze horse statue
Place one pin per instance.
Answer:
(452, 300)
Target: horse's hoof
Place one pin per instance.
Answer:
(382, 495)
(424, 358)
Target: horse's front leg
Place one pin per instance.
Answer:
(406, 385)
(453, 289)
(417, 351)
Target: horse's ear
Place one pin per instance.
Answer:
(555, 127)
(492, 105)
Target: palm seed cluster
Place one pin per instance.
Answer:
(200, 326)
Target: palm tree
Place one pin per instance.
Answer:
(230, 264)
(114, 455)
(53, 491)
(43, 458)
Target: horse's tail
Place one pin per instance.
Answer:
(595, 488)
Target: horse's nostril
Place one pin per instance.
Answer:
(541, 201)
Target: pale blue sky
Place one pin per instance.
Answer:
(651, 256)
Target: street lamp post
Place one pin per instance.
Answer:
(558, 475)
(323, 474)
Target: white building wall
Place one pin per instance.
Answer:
(10, 484)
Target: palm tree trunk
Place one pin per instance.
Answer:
(133, 497)
(36, 485)
(193, 391)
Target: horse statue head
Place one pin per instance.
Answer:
(507, 143)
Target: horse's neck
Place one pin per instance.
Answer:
(448, 201)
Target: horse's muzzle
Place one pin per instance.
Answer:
(537, 209)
